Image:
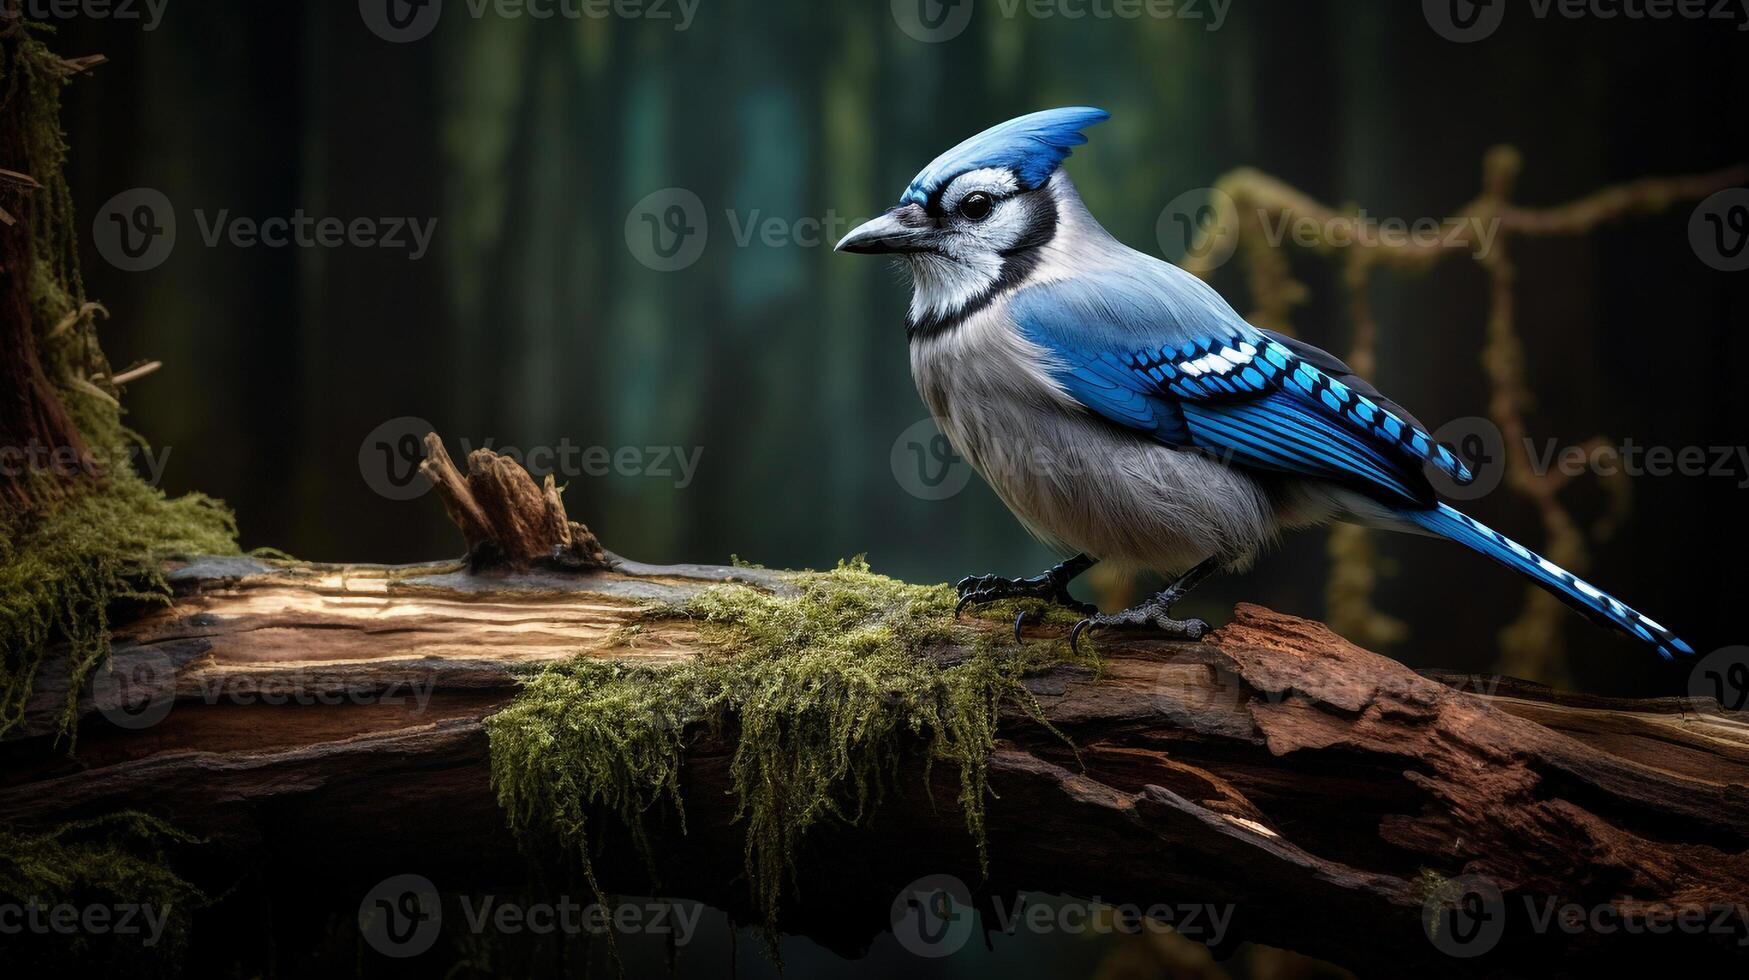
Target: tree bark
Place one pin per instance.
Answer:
(36, 433)
(1320, 791)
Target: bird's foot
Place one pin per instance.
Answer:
(1052, 586)
(1155, 614)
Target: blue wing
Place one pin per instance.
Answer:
(1161, 353)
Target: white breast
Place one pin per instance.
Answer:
(1077, 481)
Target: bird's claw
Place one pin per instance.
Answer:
(980, 589)
(1154, 614)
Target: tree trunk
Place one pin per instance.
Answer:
(36, 434)
(1334, 800)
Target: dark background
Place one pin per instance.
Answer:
(530, 321)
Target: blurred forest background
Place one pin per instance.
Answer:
(531, 322)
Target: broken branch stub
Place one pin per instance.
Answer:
(505, 518)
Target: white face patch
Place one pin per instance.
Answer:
(966, 257)
(943, 285)
(994, 181)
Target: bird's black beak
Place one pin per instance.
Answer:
(903, 229)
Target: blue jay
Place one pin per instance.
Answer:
(1124, 412)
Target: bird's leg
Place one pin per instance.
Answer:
(1051, 586)
(1156, 613)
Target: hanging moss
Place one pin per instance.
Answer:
(60, 574)
(1434, 891)
(828, 688)
(116, 863)
(91, 541)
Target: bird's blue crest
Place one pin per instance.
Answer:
(1031, 145)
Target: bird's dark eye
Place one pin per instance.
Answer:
(976, 206)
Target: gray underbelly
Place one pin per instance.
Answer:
(1083, 485)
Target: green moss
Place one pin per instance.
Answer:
(827, 689)
(60, 574)
(89, 542)
(115, 861)
(1430, 886)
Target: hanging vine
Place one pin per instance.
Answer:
(1532, 644)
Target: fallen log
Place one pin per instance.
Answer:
(1333, 801)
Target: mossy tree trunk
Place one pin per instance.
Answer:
(37, 436)
(1327, 798)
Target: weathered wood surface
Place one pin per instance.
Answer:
(337, 711)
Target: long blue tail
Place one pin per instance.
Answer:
(1569, 588)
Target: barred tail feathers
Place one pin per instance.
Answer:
(1588, 599)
